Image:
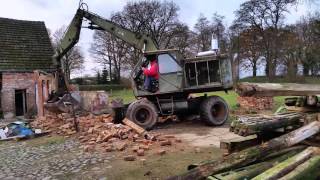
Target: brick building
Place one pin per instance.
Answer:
(26, 67)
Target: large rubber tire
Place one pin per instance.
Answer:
(143, 113)
(214, 111)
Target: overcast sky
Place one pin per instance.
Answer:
(56, 13)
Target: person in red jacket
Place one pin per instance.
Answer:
(151, 73)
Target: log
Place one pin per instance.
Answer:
(250, 155)
(137, 128)
(286, 166)
(259, 124)
(308, 170)
(251, 171)
(273, 89)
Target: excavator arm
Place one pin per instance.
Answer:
(72, 34)
(71, 37)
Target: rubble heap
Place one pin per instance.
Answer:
(99, 133)
(255, 103)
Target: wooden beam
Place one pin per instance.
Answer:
(251, 171)
(286, 166)
(257, 124)
(138, 129)
(238, 143)
(308, 170)
(250, 155)
(273, 89)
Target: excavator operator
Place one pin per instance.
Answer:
(151, 74)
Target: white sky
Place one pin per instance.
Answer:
(56, 13)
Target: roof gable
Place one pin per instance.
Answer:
(24, 46)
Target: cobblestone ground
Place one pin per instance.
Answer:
(53, 159)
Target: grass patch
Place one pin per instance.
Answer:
(125, 94)
(101, 87)
(160, 167)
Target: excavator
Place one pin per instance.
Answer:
(179, 77)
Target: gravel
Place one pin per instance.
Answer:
(62, 160)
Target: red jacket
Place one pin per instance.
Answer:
(153, 71)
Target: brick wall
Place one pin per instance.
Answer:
(12, 82)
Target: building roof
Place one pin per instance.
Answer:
(24, 46)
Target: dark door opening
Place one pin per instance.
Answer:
(20, 102)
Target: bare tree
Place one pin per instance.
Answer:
(73, 60)
(250, 48)
(155, 18)
(267, 17)
(308, 32)
(219, 29)
(110, 51)
(204, 31)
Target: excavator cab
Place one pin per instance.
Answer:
(169, 69)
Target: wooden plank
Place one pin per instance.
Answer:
(251, 171)
(238, 143)
(286, 166)
(273, 89)
(308, 170)
(137, 128)
(250, 155)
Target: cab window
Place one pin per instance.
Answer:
(167, 64)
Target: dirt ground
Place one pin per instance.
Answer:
(51, 156)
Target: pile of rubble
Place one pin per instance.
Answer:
(255, 103)
(99, 133)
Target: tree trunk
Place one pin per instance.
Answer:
(254, 170)
(274, 89)
(306, 69)
(235, 69)
(308, 170)
(271, 71)
(250, 125)
(286, 166)
(292, 70)
(254, 68)
(250, 155)
(110, 72)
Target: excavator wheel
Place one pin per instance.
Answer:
(143, 113)
(214, 111)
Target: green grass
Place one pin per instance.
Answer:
(231, 97)
(125, 94)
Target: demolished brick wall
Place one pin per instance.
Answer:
(99, 133)
(12, 82)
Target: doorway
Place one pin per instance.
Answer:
(20, 102)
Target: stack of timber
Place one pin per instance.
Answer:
(246, 125)
(278, 158)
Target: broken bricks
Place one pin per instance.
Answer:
(129, 158)
(166, 143)
(98, 133)
(140, 152)
(161, 152)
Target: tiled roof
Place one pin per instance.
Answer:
(24, 46)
